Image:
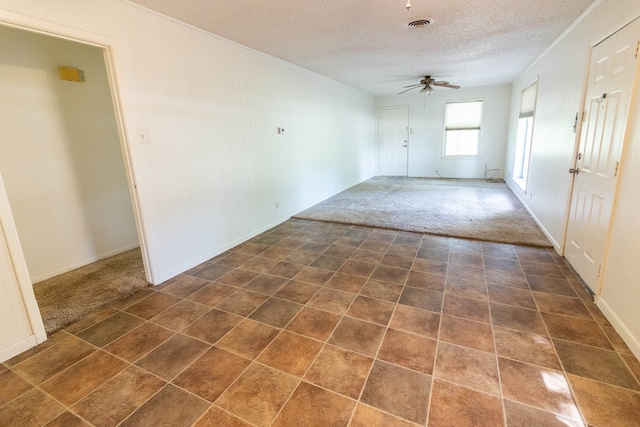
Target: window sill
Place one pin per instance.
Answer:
(460, 156)
(521, 183)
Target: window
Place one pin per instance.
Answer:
(525, 132)
(462, 128)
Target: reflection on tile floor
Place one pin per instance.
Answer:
(318, 324)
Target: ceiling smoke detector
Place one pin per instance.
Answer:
(419, 23)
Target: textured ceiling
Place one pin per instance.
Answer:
(367, 45)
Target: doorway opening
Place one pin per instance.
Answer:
(61, 160)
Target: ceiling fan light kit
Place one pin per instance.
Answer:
(427, 84)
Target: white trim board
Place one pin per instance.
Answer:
(622, 329)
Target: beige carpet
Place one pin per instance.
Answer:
(68, 297)
(471, 209)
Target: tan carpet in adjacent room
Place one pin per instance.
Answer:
(466, 208)
(68, 297)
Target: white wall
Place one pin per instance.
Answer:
(216, 166)
(562, 73)
(620, 295)
(60, 155)
(426, 118)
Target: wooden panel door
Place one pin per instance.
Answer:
(612, 72)
(394, 141)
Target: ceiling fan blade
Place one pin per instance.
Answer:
(440, 82)
(449, 86)
(417, 84)
(407, 90)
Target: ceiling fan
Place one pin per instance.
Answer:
(427, 85)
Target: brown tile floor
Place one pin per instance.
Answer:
(318, 324)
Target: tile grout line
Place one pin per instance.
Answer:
(437, 349)
(495, 346)
(300, 380)
(564, 373)
(255, 360)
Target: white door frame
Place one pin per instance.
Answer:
(392, 107)
(109, 47)
(624, 152)
(9, 236)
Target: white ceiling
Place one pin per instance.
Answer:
(367, 45)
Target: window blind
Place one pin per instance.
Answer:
(463, 115)
(528, 100)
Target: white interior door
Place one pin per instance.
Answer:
(612, 72)
(394, 141)
(20, 321)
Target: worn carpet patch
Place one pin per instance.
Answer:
(69, 297)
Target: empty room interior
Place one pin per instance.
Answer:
(383, 213)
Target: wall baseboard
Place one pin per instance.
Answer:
(174, 272)
(631, 340)
(556, 246)
(86, 261)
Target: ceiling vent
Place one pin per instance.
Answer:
(419, 23)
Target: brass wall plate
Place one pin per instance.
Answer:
(71, 74)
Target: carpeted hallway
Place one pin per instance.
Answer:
(321, 324)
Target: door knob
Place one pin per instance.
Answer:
(574, 171)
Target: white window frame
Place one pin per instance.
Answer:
(446, 129)
(524, 135)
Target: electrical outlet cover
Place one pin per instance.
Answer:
(144, 136)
